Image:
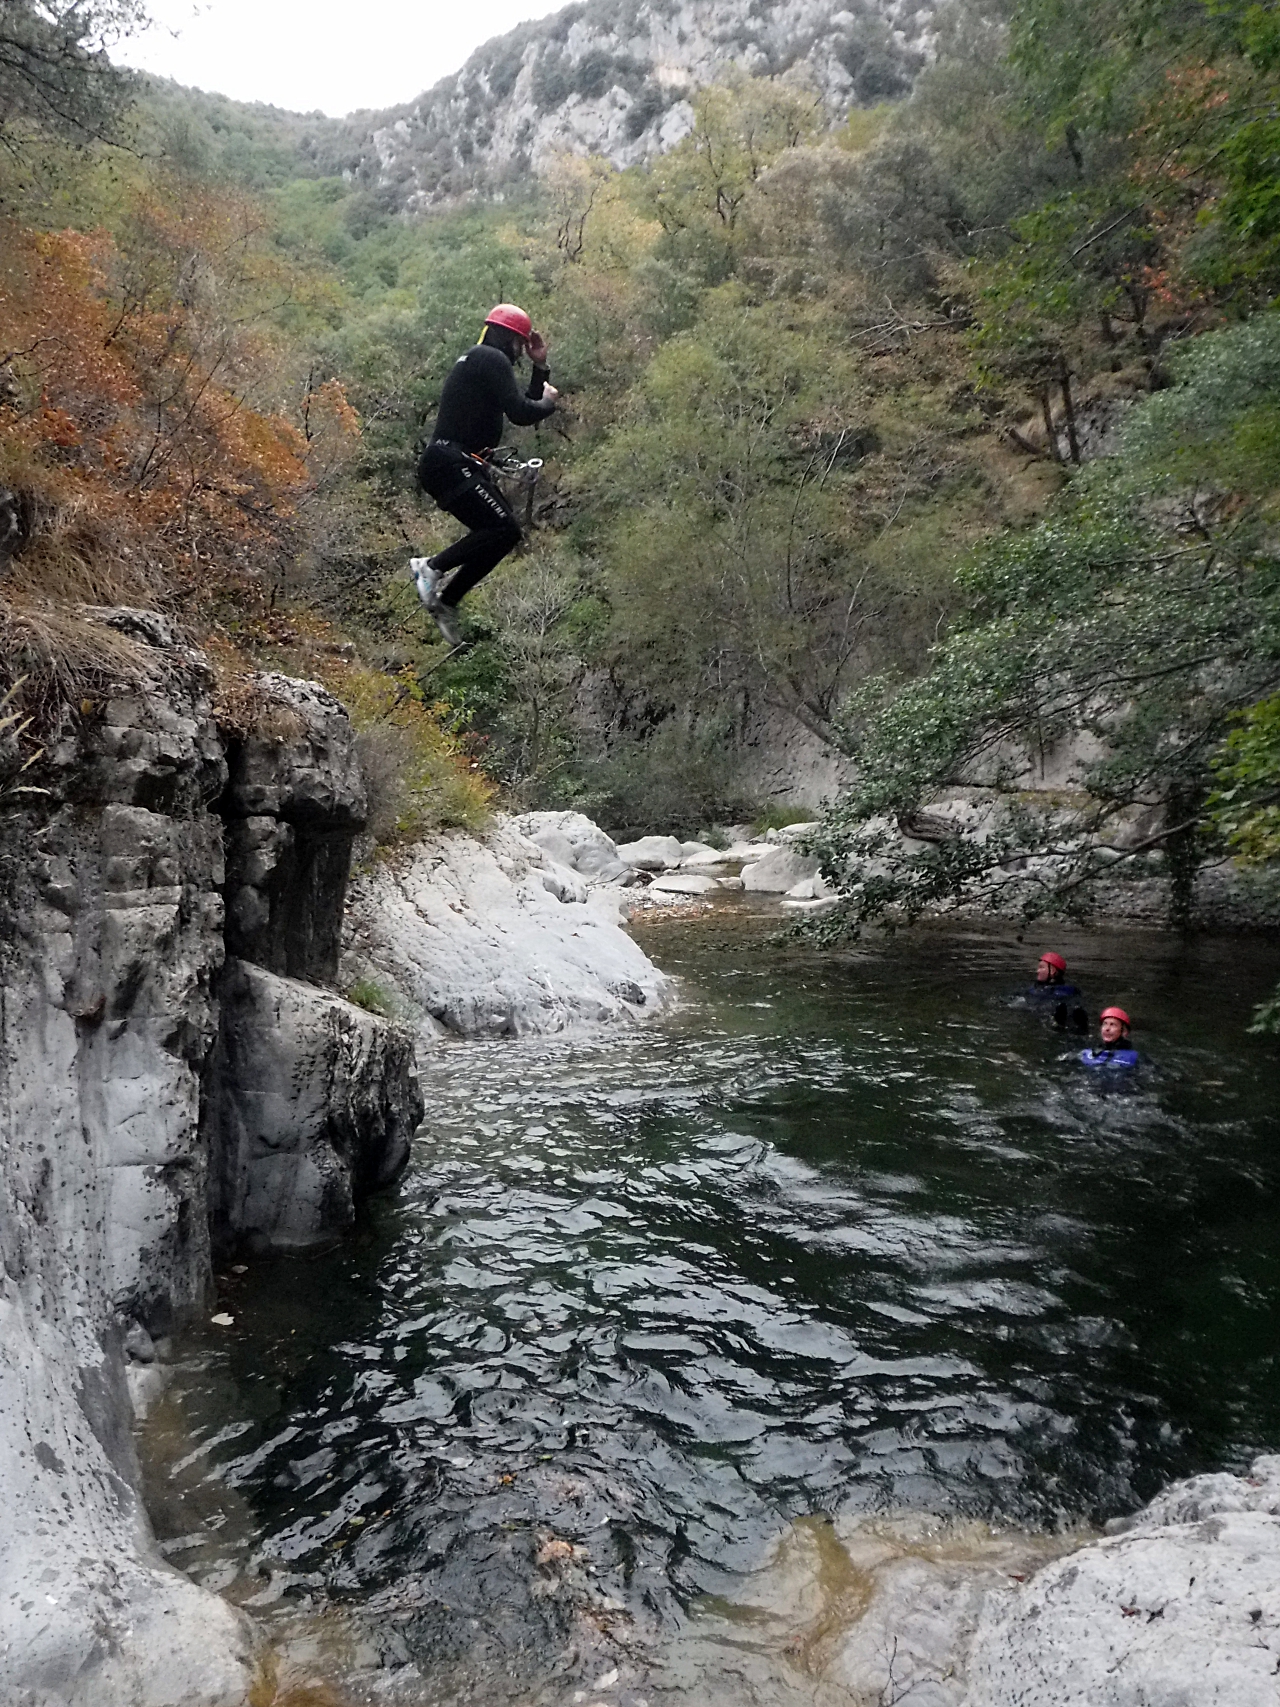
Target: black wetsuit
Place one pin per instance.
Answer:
(481, 389)
(1068, 1015)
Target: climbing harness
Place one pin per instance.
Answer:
(508, 466)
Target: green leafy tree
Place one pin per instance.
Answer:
(1144, 614)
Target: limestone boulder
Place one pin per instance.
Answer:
(311, 1103)
(747, 852)
(1180, 1610)
(781, 869)
(471, 938)
(788, 834)
(652, 853)
(683, 883)
(811, 889)
(573, 840)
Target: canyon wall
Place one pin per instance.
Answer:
(159, 1099)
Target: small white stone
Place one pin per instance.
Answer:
(683, 883)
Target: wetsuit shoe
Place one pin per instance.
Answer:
(424, 578)
(446, 617)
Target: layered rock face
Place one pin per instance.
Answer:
(111, 1048)
(311, 1106)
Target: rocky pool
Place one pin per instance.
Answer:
(672, 1336)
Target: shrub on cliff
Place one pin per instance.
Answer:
(417, 777)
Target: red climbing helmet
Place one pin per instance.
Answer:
(1056, 961)
(513, 318)
(1116, 1013)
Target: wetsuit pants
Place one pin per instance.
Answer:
(462, 488)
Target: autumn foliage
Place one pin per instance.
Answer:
(146, 456)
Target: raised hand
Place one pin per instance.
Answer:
(537, 346)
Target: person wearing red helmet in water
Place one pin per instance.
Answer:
(1051, 985)
(480, 391)
(1116, 1049)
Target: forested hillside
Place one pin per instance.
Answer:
(948, 423)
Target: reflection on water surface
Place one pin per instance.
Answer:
(844, 1239)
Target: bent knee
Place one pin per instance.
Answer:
(510, 536)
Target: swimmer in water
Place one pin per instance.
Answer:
(1051, 984)
(1115, 1049)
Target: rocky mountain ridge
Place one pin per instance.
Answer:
(614, 77)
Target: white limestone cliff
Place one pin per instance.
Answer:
(497, 937)
(112, 1045)
(613, 78)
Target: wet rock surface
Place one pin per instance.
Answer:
(112, 943)
(1181, 1608)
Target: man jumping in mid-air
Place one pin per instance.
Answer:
(480, 390)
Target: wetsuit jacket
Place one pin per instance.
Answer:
(481, 389)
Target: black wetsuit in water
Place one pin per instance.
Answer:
(1068, 1015)
(481, 389)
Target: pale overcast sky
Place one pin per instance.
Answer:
(304, 54)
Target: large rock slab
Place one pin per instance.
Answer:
(1181, 1610)
(311, 1104)
(489, 938)
(652, 853)
(780, 870)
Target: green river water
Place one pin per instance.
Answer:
(844, 1237)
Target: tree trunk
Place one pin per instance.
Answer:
(1050, 430)
(1069, 409)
